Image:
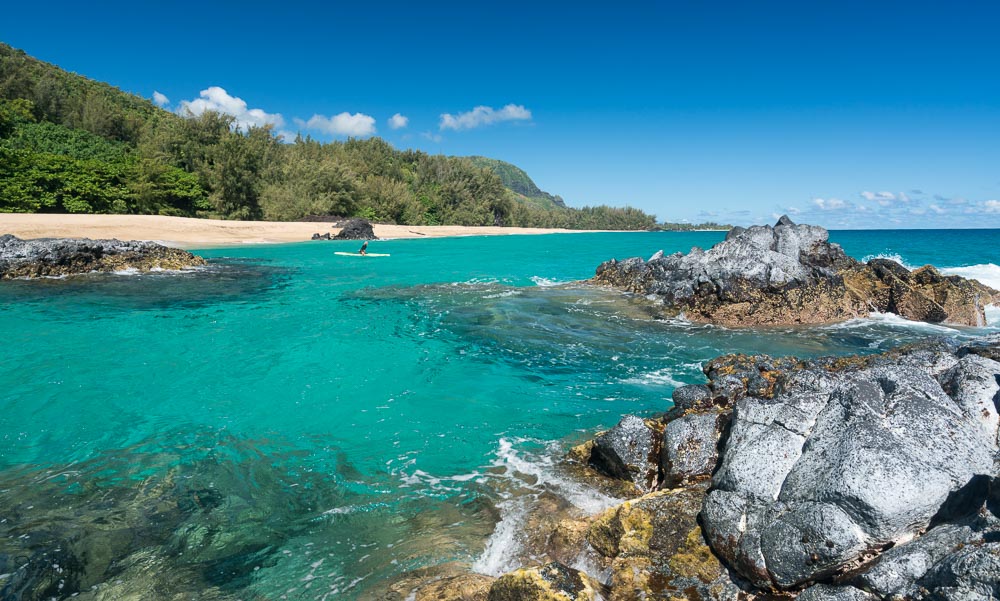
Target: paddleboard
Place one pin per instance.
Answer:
(343, 254)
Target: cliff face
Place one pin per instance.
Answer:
(58, 256)
(792, 274)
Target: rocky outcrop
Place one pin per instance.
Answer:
(868, 477)
(356, 229)
(550, 582)
(66, 256)
(788, 274)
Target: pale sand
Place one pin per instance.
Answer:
(186, 232)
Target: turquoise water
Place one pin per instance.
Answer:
(291, 422)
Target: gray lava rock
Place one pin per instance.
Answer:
(814, 479)
(630, 451)
(826, 592)
(65, 256)
(789, 274)
(690, 447)
(356, 229)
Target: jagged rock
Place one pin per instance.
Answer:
(550, 582)
(66, 256)
(318, 236)
(428, 585)
(815, 479)
(657, 550)
(790, 274)
(356, 229)
(826, 592)
(690, 447)
(630, 451)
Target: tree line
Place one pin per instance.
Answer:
(71, 144)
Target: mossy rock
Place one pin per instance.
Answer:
(550, 582)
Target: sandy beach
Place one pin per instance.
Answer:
(187, 232)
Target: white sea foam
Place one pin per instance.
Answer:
(992, 315)
(505, 293)
(660, 377)
(987, 273)
(891, 256)
(891, 319)
(546, 282)
(531, 474)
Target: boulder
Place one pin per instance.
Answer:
(690, 447)
(790, 274)
(550, 582)
(657, 551)
(630, 451)
(318, 236)
(356, 229)
(815, 480)
(66, 256)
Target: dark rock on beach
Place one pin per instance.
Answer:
(356, 229)
(788, 274)
(67, 256)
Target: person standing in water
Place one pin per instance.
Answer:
(364, 249)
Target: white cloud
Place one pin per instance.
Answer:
(829, 204)
(218, 100)
(882, 197)
(432, 136)
(484, 115)
(398, 121)
(793, 210)
(992, 206)
(160, 99)
(345, 124)
(937, 209)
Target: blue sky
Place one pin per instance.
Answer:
(845, 114)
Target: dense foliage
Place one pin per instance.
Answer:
(71, 144)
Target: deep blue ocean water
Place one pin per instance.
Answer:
(316, 425)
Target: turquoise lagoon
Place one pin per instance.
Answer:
(291, 424)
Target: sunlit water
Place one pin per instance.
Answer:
(288, 423)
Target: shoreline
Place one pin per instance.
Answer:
(191, 232)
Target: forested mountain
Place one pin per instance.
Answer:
(71, 144)
(518, 182)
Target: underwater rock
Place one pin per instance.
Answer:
(630, 451)
(356, 229)
(550, 582)
(789, 274)
(66, 256)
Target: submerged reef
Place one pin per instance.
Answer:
(48, 257)
(791, 274)
(867, 477)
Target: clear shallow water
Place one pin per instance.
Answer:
(289, 406)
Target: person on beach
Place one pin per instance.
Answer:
(364, 249)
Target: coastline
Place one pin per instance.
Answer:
(189, 232)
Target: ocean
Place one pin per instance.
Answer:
(291, 424)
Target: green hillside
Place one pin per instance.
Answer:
(518, 182)
(69, 144)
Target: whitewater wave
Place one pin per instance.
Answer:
(530, 474)
(987, 273)
(546, 282)
(660, 377)
(890, 319)
(890, 256)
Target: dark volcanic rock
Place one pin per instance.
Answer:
(356, 229)
(318, 236)
(792, 274)
(630, 451)
(817, 479)
(690, 447)
(66, 256)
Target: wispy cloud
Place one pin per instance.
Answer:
(829, 204)
(217, 99)
(992, 206)
(344, 124)
(398, 121)
(160, 99)
(433, 137)
(484, 115)
(937, 209)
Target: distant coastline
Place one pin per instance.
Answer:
(187, 232)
